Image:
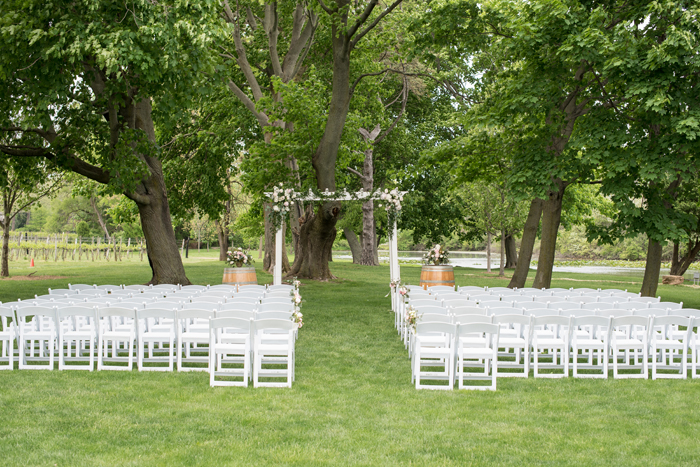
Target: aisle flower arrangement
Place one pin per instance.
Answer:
(436, 256)
(412, 317)
(402, 288)
(297, 316)
(239, 258)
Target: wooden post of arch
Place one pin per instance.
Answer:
(279, 239)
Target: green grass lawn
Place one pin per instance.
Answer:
(352, 402)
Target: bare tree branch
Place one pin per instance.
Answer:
(371, 26)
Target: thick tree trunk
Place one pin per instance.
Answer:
(354, 243)
(551, 219)
(5, 269)
(318, 231)
(511, 252)
(680, 264)
(316, 238)
(527, 244)
(652, 269)
(369, 235)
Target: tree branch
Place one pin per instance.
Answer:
(370, 26)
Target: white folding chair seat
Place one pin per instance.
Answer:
(136, 288)
(467, 310)
(566, 306)
(8, 334)
(668, 345)
(239, 305)
(474, 356)
(629, 346)
(77, 334)
(278, 287)
(423, 302)
(62, 291)
(40, 328)
(551, 334)
(469, 289)
(646, 299)
(597, 306)
(429, 353)
(590, 335)
(270, 349)
(156, 328)
(231, 351)
(80, 286)
(440, 288)
(201, 299)
(514, 334)
(278, 293)
(217, 293)
(116, 325)
(201, 306)
(107, 287)
(241, 314)
(673, 306)
(284, 307)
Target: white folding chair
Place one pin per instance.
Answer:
(275, 306)
(192, 332)
(566, 306)
(270, 349)
(278, 294)
(470, 355)
(629, 338)
(80, 286)
(694, 345)
(116, 325)
(62, 291)
(77, 333)
(249, 288)
(230, 351)
(433, 346)
(201, 306)
(107, 287)
(516, 337)
(673, 306)
(136, 288)
(469, 289)
(7, 337)
(199, 288)
(202, 299)
(40, 328)
(223, 294)
(440, 288)
(280, 287)
(248, 305)
(590, 335)
(666, 346)
(645, 299)
(156, 327)
(551, 334)
(241, 314)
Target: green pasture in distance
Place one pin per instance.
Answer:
(352, 402)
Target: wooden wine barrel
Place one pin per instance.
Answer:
(240, 276)
(437, 275)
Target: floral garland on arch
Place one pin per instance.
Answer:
(282, 200)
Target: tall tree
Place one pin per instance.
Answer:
(88, 79)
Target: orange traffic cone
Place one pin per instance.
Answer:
(31, 265)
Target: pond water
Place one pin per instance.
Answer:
(477, 260)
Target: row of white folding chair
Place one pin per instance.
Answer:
(262, 342)
(599, 338)
(152, 326)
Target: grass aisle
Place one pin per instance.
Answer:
(352, 402)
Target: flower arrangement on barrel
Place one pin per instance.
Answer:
(239, 258)
(436, 256)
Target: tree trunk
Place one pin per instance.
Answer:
(501, 266)
(527, 244)
(680, 265)
(488, 252)
(222, 233)
(93, 203)
(5, 269)
(511, 252)
(318, 231)
(652, 269)
(551, 218)
(355, 247)
(369, 234)
(316, 238)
